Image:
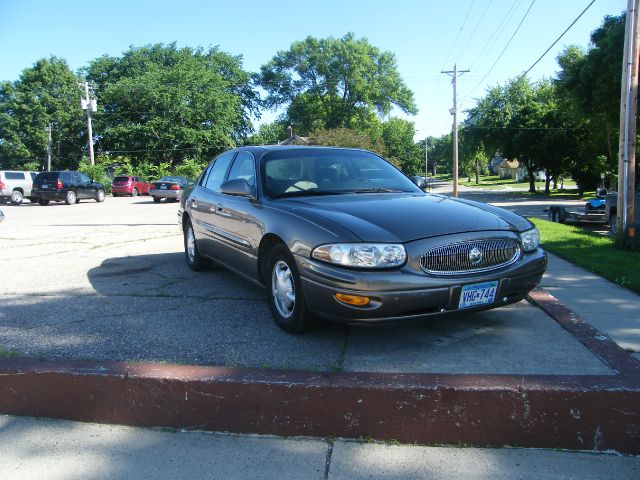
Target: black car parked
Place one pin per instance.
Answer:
(67, 186)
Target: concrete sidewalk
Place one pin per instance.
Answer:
(54, 449)
(612, 309)
(45, 449)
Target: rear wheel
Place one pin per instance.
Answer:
(195, 261)
(100, 196)
(70, 198)
(16, 197)
(284, 292)
(156, 199)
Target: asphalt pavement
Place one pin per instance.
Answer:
(107, 281)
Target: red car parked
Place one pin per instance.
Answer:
(129, 185)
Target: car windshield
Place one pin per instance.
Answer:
(121, 179)
(309, 171)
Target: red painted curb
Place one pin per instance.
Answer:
(573, 412)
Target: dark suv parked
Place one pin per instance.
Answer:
(67, 186)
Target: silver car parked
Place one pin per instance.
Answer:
(342, 234)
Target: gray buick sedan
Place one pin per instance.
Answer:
(342, 234)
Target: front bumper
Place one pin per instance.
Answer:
(408, 293)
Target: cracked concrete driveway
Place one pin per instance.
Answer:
(109, 282)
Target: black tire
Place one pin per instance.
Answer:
(552, 214)
(285, 296)
(70, 198)
(43, 202)
(115, 195)
(156, 199)
(100, 196)
(16, 197)
(134, 192)
(196, 262)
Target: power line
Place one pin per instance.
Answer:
(455, 42)
(504, 49)
(488, 46)
(558, 39)
(464, 49)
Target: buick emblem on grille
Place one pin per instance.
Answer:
(475, 256)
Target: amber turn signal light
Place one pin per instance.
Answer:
(355, 300)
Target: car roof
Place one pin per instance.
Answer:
(262, 149)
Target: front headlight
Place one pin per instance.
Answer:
(364, 255)
(530, 239)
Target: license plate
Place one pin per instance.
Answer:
(478, 294)
(45, 186)
(163, 187)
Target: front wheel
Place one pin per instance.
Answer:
(100, 196)
(16, 197)
(195, 261)
(70, 198)
(284, 292)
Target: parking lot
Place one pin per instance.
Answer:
(108, 281)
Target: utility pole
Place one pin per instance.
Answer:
(90, 106)
(48, 130)
(455, 73)
(628, 114)
(426, 158)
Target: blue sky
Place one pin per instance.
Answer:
(426, 36)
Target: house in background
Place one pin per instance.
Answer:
(494, 164)
(514, 170)
(294, 139)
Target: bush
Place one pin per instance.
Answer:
(97, 172)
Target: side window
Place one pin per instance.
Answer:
(84, 178)
(244, 167)
(66, 177)
(14, 176)
(217, 172)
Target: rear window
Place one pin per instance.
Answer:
(14, 175)
(48, 176)
(121, 179)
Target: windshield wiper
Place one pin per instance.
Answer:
(377, 190)
(308, 193)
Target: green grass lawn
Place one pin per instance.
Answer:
(495, 182)
(591, 251)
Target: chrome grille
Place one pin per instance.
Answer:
(461, 258)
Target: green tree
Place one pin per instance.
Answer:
(590, 84)
(334, 83)
(397, 136)
(164, 104)
(269, 134)
(45, 93)
(514, 118)
(348, 138)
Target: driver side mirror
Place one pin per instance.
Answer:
(238, 187)
(419, 181)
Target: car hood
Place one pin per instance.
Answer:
(406, 217)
